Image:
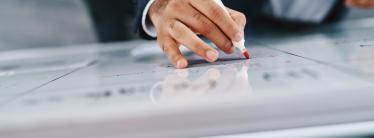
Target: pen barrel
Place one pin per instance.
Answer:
(240, 45)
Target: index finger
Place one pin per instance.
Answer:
(360, 3)
(220, 17)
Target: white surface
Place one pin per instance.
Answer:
(339, 130)
(103, 91)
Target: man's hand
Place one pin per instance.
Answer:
(178, 21)
(360, 3)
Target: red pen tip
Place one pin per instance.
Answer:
(246, 54)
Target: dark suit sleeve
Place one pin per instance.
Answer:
(140, 8)
(112, 19)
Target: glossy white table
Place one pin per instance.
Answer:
(294, 84)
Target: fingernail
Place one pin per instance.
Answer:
(181, 64)
(212, 55)
(239, 36)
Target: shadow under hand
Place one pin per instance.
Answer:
(203, 63)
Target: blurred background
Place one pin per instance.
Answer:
(41, 23)
(38, 23)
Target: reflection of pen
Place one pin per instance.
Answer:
(240, 44)
(244, 70)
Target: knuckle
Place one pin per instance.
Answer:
(174, 5)
(176, 31)
(164, 48)
(172, 25)
(197, 15)
(240, 15)
(177, 35)
(198, 48)
(173, 56)
(206, 32)
(161, 45)
(168, 46)
(168, 50)
(216, 12)
(194, 46)
(234, 29)
(165, 44)
(208, 28)
(205, 27)
(227, 45)
(243, 17)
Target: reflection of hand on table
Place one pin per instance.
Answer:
(178, 86)
(360, 60)
(216, 83)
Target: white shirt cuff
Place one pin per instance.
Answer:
(147, 25)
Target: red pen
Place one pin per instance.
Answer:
(240, 44)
